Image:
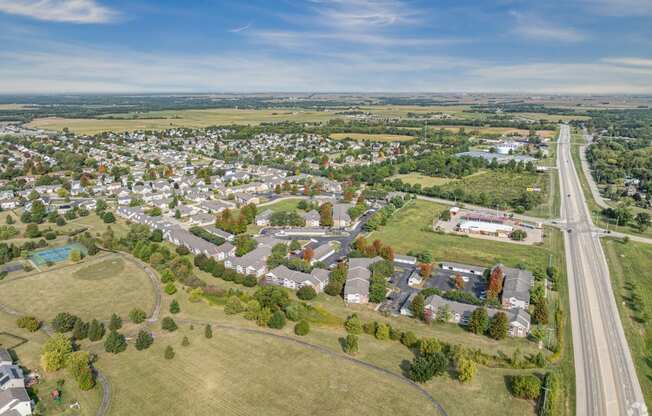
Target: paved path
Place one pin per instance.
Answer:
(324, 350)
(156, 284)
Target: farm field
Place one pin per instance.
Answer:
(361, 137)
(215, 376)
(160, 120)
(94, 288)
(629, 266)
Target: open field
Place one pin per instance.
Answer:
(216, 376)
(92, 289)
(629, 266)
(29, 356)
(289, 204)
(160, 120)
(423, 180)
(507, 131)
(361, 137)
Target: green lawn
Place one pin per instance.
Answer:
(423, 180)
(94, 288)
(281, 205)
(629, 265)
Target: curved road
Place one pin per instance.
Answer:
(605, 377)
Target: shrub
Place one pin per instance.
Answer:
(115, 342)
(466, 369)
(526, 387)
(137, 316)
(409, 339)
(115, 323)
(277, 321)
(169, 352)
(302, 328)
(95, 330)
(185, 341)
(168, 324)
(382, 332)
(144, 340)
(425, 367)
(208, 331)
(353, 325)
(250, 281)
(29, 323)
(369, 328)
(233, 306)
(351, 344)
(306, 293)
(170, 288)
(64, 322)
(80, 330)
(174, 307)
(429, 346)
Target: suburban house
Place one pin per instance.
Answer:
(263, 219)
(14, 400)
(292, 279)
(254, 262)
(463, 268)
(341, 217)
(356, 288)
(405, 260)
(517, 284)
(460, 313)
(322, 252)
(312, 218)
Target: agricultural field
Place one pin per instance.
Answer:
(94, 288)
(629, 267)
(361, 137)
(160, 120)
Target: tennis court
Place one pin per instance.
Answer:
(55, 255)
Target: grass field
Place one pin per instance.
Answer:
(423, 180)
(160, 120)
(361, 137)
(409, 229)
(217, 376)
(629, 266)
(281, 205)
(508, 131)
(92, 289)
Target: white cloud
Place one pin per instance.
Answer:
(539, 30)
(362, 14)
(637, 62)
(72, 11)
(241, 28)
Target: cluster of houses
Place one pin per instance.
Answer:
(14, 400)
(515, 297)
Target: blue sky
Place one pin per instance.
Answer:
(551, 46)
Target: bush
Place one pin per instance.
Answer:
(382, 332)
(115, 342)
(250, 281)
(80, 330)
(369, 328)
(333, 288)
(185, 342)
(409, 339)
(168, 324)
(170, 288)
(351, 344)
(137, 316)
(466, 369)
(302, 328)
(526, 387)
(233, 306)
(306, 293)
(169, 352)
(353, 325)
(277, 321)
(174, 307)
(208, 331)
(29, 323)
(64, 322)
(115, 323)
(95, 330)
(144, 340)
(425, 367)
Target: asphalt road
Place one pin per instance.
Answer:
(606, 381)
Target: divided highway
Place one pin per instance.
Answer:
(606, 381)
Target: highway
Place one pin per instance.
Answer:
(606, 381)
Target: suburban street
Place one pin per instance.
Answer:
(606, 381)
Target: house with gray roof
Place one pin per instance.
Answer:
(14, 400)
(262, 219)
(341, 217)
(322, 252)
(517, 284)
(356, 288)
(312, 218)
(293, 279)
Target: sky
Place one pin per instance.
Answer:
(141, 46)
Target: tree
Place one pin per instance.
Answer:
(115, 342)
(168, 324)
(302, 328)
(499, 326)
(295, 245)
(382, 332)
(169, 352)
(115, 323)
(425, 367)
(466, 369)
(277, 321)
(306, 293)
(409, 339)
(80, 330)
(185, 341)
(174, 307)
(417, 306)
(459, 281)
(425, 270)
(540, 313)
(108, 217)
(233, 306)
(353, 325)
(526, 386)
(429, 346)
(351, 344)
(308, 254)
(326, 215)
(55, 353)
(642, 220)
(79, 366)
(144, 340)
(495, 283)
(137, 316)
(64, 322)
(170, 288)
(32, 231)
(518, 235)
(208, 331)
(29, 323)
(479, 321)
(95, 330)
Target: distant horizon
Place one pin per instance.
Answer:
(344, 93)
